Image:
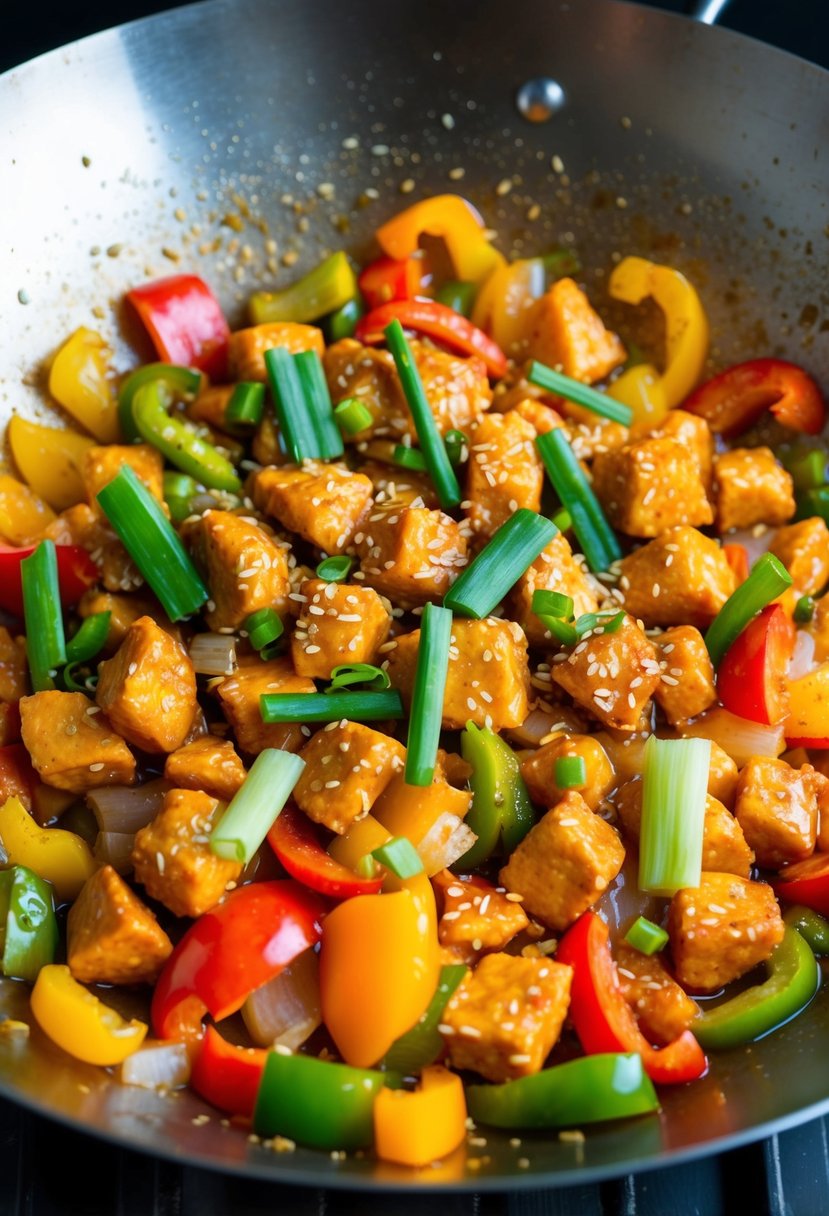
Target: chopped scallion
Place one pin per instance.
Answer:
(457, 447)
(263, 628)
(400, 856)
(318, 399)
(409, 458)
(804, 610)
(342, 322)
(561, 519)
(674, 791)
(252, 810)
(366, 867)
(582, 394)
(330, 707)
(347, 675)
(352, 416)
(562, 631)
(89, 639)
(427, 697)
(595, 535)
(768, 579)
(570, 772)
(552, 603)
(302, 404)
(45, 640)
(646, 937)
(246, 406)
(334, 569)
(500, 564)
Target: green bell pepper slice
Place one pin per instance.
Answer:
(423, 1044)
(811, 925)
(179, 443)
(591, 1089)
(793, 979)
(323, 290)
(317, 1103)
(28, 928)
(173, 380)
(342, 322)
(501, 813)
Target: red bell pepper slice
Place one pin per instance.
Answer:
(806, 882)
(185, 321)
(602, 1017)
(388, 279)
(296, 845)
(736, 398)
(737, 558)
(227, 1076)
(436, 321)
(232, 950)
(76, 573)
(17, 776)
(751, 677)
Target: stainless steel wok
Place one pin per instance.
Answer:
(146, 148)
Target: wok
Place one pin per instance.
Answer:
(123, 156)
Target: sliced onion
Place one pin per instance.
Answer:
(627, 754)
(213, 654)
(737, 736)
(286, 1010)
(447, 839)
(126, 808)
(157, 1066)
(803, 659)
(115, 849)
(540, 723)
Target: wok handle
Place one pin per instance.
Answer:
(706, 11)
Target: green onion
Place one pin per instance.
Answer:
(552, 603)
(646, 937)
(330, 707)
(256, 804)
(315, 387)
(89, 639)
(457, 447)
(246, 406)
(813, 502)
(400, 856)
(431, 444)
(409, 458)
(179, 491)
(179, 442)
(76, 677)
(373, 679)
(808, 470)
(342, 322)
(500, 564)
(609, 622)
(562, 631)
(674, 791)
(334, 569)
(153, 544)
(328, 287)
(594, 533)
(303, 405)
(804, 610)
(768, 579)
(427, 697)
(561, 519)
(45, 641)
(352, 416)
(570, 772)
(582, 394)
(172, 381)
(263, 628)
(457, 295)
(366, 867)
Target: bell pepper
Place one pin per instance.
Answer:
(185, 322)
(416, 1128)
(436, 321)
(603, 1020)
(23, 516)
(808, 722)
(501, 813)
(388, 279)
(363, 837)
(231, 950)
(737, 558)
(793, 979)
(806, 882)
(183, 382)
(28, 929)
(457, 295)
(76, 574)
(328, 287)
(18, 778)
(423, 1044)
(592, 1089)
(315, 1102)
(295, 842)
(456, 222)
(227, 1076)
(686, 336)
(60, 857)
(503, 305)
(49, 458)
(751, 678)
(342, 322)
(179, 443)
(732, 401)
(811, 926)
(79, 1022)
(80, 379)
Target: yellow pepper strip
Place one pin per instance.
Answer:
(420, 1127)
(80, 379)
(640, 388)
(686, 335)
(79, 1023)
(62, 858)
(363, 837)
(23, 516)
(49, 460)
(454, 220)
(503, 305)
(808, 715)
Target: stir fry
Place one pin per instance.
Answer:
(421, 692)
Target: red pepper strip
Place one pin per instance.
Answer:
(737, 558)
(76, 573)
(230, 951)
(736, 398)
(437, 321)
(185, 321)
(388, 279)
(17, 776)
(806, 882)
(296, 845)
(603, 1019)
(227, 1076)
(751, 679)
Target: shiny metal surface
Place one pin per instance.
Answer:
(143, 150)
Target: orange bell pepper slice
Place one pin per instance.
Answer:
(458, 224)
(420, 1127)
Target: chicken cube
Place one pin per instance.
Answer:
(101, 464)
(72, 744)
(87, 527)
(504, 472)
(564, 863)
(207, 764)
(803, 548)
(506, 1016)
(410, 554)
(565, 331)
(693, 433)
(589, 436)
(488, 678)
(723, 775)
(347, 767)
(148, 688)
(124, 610)
(777, 810)
(14, 668)
(680, 577)
(555, 569)
(239, 696)
(724, 846)
(662, 1008)
(542, 418)
(475, 916)
(539, 770)
(111, 936)
(612, 675)
(322, 502)
(722, 929)
(246, 569)
(650, 485)
(172, 858)
(339, 623)
(751, 487)
(246, 347)
(686, 687)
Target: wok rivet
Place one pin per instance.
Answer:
(540, 98)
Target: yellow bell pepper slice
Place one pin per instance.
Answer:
(62, 858)
(23, 516)
(454, 220)
(686, 336)
(49, 459)
(81, 380)
(808, 718)
(503, 306)
(79, 1022)
(420, 1127)
(363, 837)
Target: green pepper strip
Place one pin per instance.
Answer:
(323, 290)
(89, 639)
(179, 443)
(423, 1044)
(28, 928)
(171, 379)
(588, 1090)
(342, 322)
(317, 1103)
(811, 925)
(501, 809)
(793, 979)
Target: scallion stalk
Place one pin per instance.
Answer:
(427, 697)
(400, 856)
(296, 422)
(352, 416)
(804, 610)
(330, 707)
(263, 628)
(348, 675)
(252, 810)
(595, 535)
(245, 408)
(89, 639)
(318, 399)
(552, 603)
(674, 791)
(45, 640)
(409, 458)
(570, 772)
(768, 579)
(582, 394)
(500, 564)
(646, 937)
(334, 569)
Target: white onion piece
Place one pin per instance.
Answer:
(286, 1010)
(738, 737)
(541, 722)
(803, 659)
(447, 839)
(213, 654)
(157, 1066)
(115, 849)
(622, 902)
(126, 808)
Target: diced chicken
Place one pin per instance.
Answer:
(207, 764)
(542, 418)
(612, 675)
(101, 464)
(504, 472)
(124, 610)
(589, 436)
(751, 487)
(14, 671)
(86, 526)
(650, 485)
(410, 554)
(475, 916)
(777, 810)
(680, 577)
(724, 846)
(72, 744)
(347, 767)
(686, 687)
(662, 1008)
(23, 515)
(239, 696)
(723, 775)
(112, 937)
(555, 569)
(324, 503)
(246, 569)
(566, 331)
(693, 433)
(539, 770)
(803, 548)
(339, 623)
(246, 347)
